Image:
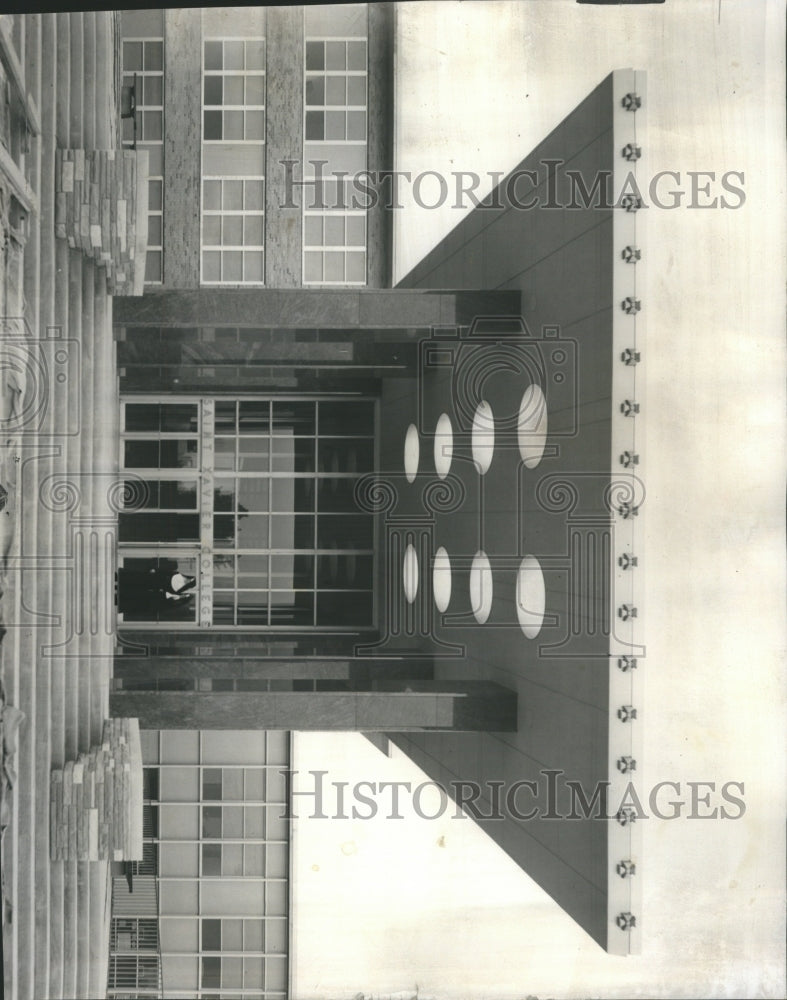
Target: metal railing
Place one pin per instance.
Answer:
(135, 944)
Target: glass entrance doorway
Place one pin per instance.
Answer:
(241, 513)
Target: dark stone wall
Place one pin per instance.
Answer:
(182, 153)
(380, 150)
(349, 309)
(560, 259)
(284, 141)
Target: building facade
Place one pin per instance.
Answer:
(406, 511)
(252, 117)
(208, 911)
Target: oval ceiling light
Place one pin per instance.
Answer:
(412, 453)
(441, 579)
(410, 574)
(532, 426)
(530, 596)
(483, 437)
(443, 446)
(481, 587)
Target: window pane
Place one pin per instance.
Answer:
(211, 821)
(233, 90)
(346, 531)
(211, 783)
(233, 55)
(141, 454)
(294, 417)
(224, 571)
(211, 122)
(312, 267)
(313, 230)
(232, 265)
(154, 55)
(335, 90)
(356, 124)
(211, 192)
(315, 55)
(179, 417)
(276, 860)
(232, 860)
(334, 230)
(275, 824)
(253, 494)
(356, 266)
(132, 56)
(211, 859)
(225, 417)
(144, 526)
(253, 531)
(356, 90)
(346, 455)
(232, 972)
(211, 934)
(253, 572)
(211, 230)
(334, 266)
(214, 87)
(152, 126)
(155, 195)
(256, 615)
(356, 55)
(254, 417)
(213, 59)
(253, 778)
(346, 418)
(253, 972)
(352, 609)
(255, 125)
(211, 972)
(232, 936)
(335, 55)
(315, 90)
(211, 266)
(154, 230)
(254, 195)
(335, 125)
(233, 124)
(255, 54)
(254, 820)
(153, 90)
(142, 416)
(255, 90)
(253, 934)
(232, 230)
(225, 453)
(232, 789)
(315, 126)
(233, 821)
(252, 265)
(293, 455)
(355, 228)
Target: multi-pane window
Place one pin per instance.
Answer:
(256, 500)
(233, 161)
(334, 247)
(234, 90)
(223, 849)
(143, 65)
(292, 547)
(335, 90)
(233, 234)
(335, 136)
